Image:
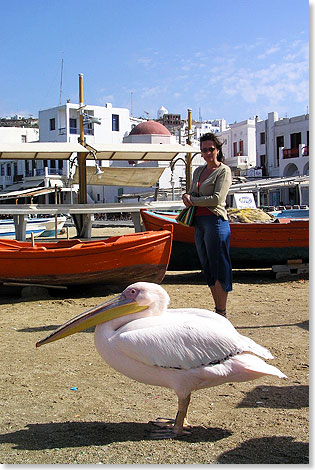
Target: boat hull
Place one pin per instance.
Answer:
(115, 261)
(254, 245)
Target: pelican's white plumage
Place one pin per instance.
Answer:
(181, 349)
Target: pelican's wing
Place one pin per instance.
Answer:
(182, 340)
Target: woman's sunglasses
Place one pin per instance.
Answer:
(206, 150)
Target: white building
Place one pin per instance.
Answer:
(161, 111)
(282, 145)
(239, 147)
(102, 124)
(13, 171)
(62, 124)
(214, 126)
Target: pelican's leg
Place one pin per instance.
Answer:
(181, 417)
(171, 428)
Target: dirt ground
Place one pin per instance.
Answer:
(62, 404)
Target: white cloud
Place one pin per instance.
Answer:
(145, 61)
(106, 99)
(268, 52)
(153, 91)
(231, 78)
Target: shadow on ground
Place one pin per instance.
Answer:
(81, 434)
(291, 397)
(267, 450)
(241, 276)
(15, 294)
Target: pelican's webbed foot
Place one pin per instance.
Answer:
(168, 429)
(173, 428)
(168, 423)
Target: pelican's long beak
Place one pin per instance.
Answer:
(114, 308)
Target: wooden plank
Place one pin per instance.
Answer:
(290, 267)
(25, 284)
(290, 270)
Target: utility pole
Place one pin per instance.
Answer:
(61, 76)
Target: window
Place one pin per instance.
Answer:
(262, 160)
(234, 149)
(8, 170)
(73, 125)
(115, 122)
(262, 138)
(52, 124)
(295, 140)
(241, 147)
(23, 139)
(280, 143)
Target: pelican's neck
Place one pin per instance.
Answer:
(112, 326)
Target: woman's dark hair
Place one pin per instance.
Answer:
(217, 142)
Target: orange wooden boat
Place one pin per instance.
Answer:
(252, 244)
(119, 260)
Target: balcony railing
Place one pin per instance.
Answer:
(41, 172)
(35, 172)
(239, 161)
(55, 171)
(291, 153)
(75, 130)
(88, 131)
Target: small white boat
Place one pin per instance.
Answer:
(50, 224)
(7, 229)
(39, 226)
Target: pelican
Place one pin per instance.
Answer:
(183, 349)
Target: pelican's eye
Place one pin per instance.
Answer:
(131, 292)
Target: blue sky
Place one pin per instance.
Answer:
(228, 59)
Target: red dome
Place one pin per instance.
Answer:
(150, 127)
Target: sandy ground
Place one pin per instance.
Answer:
(61, 404)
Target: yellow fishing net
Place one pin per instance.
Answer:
(247, 216)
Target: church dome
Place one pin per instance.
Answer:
(150, 127)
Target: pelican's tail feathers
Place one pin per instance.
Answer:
(255, 348)
(256, 367)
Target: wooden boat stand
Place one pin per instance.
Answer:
(294, 268)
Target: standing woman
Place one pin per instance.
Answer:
(208, 192)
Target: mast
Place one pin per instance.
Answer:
(81, 156)
(189, 155)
